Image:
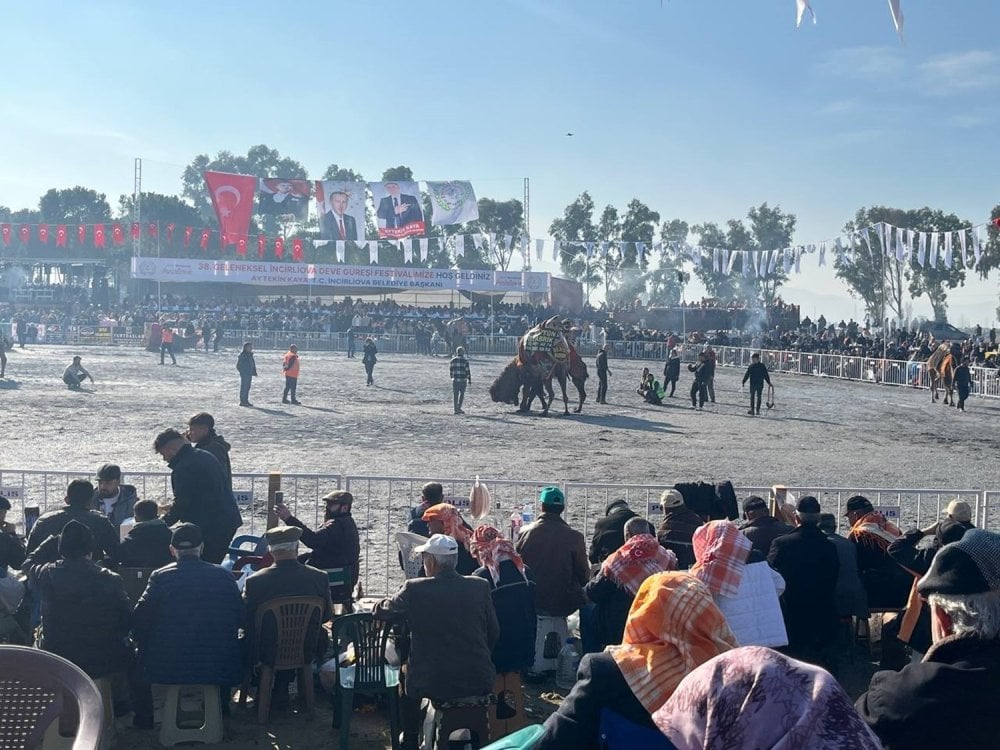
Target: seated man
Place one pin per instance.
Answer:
(11, 547)
(444, 518)
(850, 596)
(677, 528)
(885, 582)
(286, 577)
(78, 497)
(609, 532)
(335, 544)
(654, 391)
(148, 542)
(761, 528)
(960, 674)
(431, 493)
(74, 375)
(186, 626)
(460, 665)
(113, 500)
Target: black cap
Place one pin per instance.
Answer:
(950, 531)
(754, 502)
(968, 566)
(109, 471)
(808, 504)
(186, 536)
(858, 502)
(76, 540)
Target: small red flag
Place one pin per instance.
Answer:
(188, 231)
(135, 230)
(241, 245)
(996, 222)
(43, 233)
(170, 233)
(61, 235)
(117, 234)
(153, 230)
(5, 233)
(25, 234)
(81, 234)
(297, 254)
(279, 248)
(261, 244)
(204, 238)
(98, 235)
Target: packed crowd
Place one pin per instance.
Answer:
(697, 633)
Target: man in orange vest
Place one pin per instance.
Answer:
(167, 343)
(290, 366)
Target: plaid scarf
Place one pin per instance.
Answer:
(721, 551)
(673, 627)
(451, 519)
(873, 530)
(636, 560)
(491, 549)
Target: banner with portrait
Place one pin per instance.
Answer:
(340, 207)
(397, 209)
(452, 202)
(280, 196)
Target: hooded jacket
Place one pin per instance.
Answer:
(609, 532)
(218, 447)
(146, 546)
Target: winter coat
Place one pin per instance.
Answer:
(11, 551)
(809, 563)
(514, 604)
(558, 554)
(948, 700)
(85, 615)
(754, 614)
(146, 546)
(335, 544)
(763, 531)
(850, 593)
(609, 532)
(675, 533)
(122, 507)
(613, 605)
(246, 365)
(201, 496)
(51, 524)
(218, 447)
(369, 358)
(187, 623)
(672, 369)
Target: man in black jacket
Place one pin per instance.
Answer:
(247, 369)
(336, 543)
(200, 494)
(699, 388)
(201, 432)
(602, 375)
(609, 532)
(78, 497)
(148, 542)
(757, 375)
(672, 371)
(761, 527)
(11, 547)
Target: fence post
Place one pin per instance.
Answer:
(273, 485)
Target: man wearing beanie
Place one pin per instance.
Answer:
(948, 700)
(761, 527)
(558, 555)
(677, 528)
(809, 563)
(85, 610)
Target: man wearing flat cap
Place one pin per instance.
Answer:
(335, 544)
(761, 528)
(948, 700)
(886, 583)
(285, 577)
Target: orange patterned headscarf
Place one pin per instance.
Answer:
(451, 519)
(640, 557)
(720, 551)
(673, 627)
(491, 549)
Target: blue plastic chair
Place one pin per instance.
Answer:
(236, 550)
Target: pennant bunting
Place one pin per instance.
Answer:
(590, 249)
(188, 231)
(341, 248)
(5, 234)
(424, 245)
(261, 245)
(118, 235)
(170, 232)
(555, 249)
(279, 247)
(921, 249)
(459, 245)
(947, 250)
(962, 245)
(935, 243)
(730, 260)
(801, 6)
(372, 251)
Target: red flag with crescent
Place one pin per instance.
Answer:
(232, 197)
(5, 233)
(996, 222)
(279, 248)
(81, 234)
(205, 233)
(297, 254)
(118, 234)
(188, 231)
(261, 244)
(135, 231)
(61, 235)
(153, 230)
(241, 245)
(43, 233)
(170, 233)
(99, 235)
(25, 233)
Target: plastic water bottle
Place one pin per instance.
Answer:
(527, 513)
(569, 662)
(515, 523)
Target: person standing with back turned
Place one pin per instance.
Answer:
(460, 378)
(602, 375)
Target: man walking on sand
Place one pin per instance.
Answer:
(460, 378)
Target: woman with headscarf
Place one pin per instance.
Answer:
(746, 594)
(757, 698)
(444, 518)
(673, 627)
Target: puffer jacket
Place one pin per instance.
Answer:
(218, 447)
(187, 625)
(754, 614)
(201, 496)
(558, 555)
(85, 615)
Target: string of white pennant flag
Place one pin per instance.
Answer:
(895, 11)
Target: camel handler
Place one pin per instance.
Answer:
(74, 375)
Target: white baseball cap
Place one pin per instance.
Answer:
(439, 544)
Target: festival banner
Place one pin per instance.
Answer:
(380, 277)
(340, 207)
(397, 209)
(280, 196)
(452, 202)
(232, 197)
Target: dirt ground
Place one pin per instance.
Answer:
(822, 432)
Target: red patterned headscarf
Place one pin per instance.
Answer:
(721, 551)
(491, 549)
(451, 519)
(636, 560)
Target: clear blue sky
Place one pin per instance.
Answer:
(698, 108)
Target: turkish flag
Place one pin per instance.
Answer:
(43, 233)
(261, 244)
(99, 235)
(297, 249)
(135, 230)
(996, 222)
(188, 231)
(170, 233)
(118, 234)
(241, 246)
(232, 197)
(204, 238)
(25, 232)
(61, 235)
(5, 233)
(153, 230)
(81, 234)
(279, 248)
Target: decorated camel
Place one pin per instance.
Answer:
(455, 331)
(543, 353)
(941, 369)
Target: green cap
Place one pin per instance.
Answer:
(553, 497)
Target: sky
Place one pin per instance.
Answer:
(700, 109)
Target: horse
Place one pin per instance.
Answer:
(519, 385)
(941, 369)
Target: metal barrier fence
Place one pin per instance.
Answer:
(382, 504)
